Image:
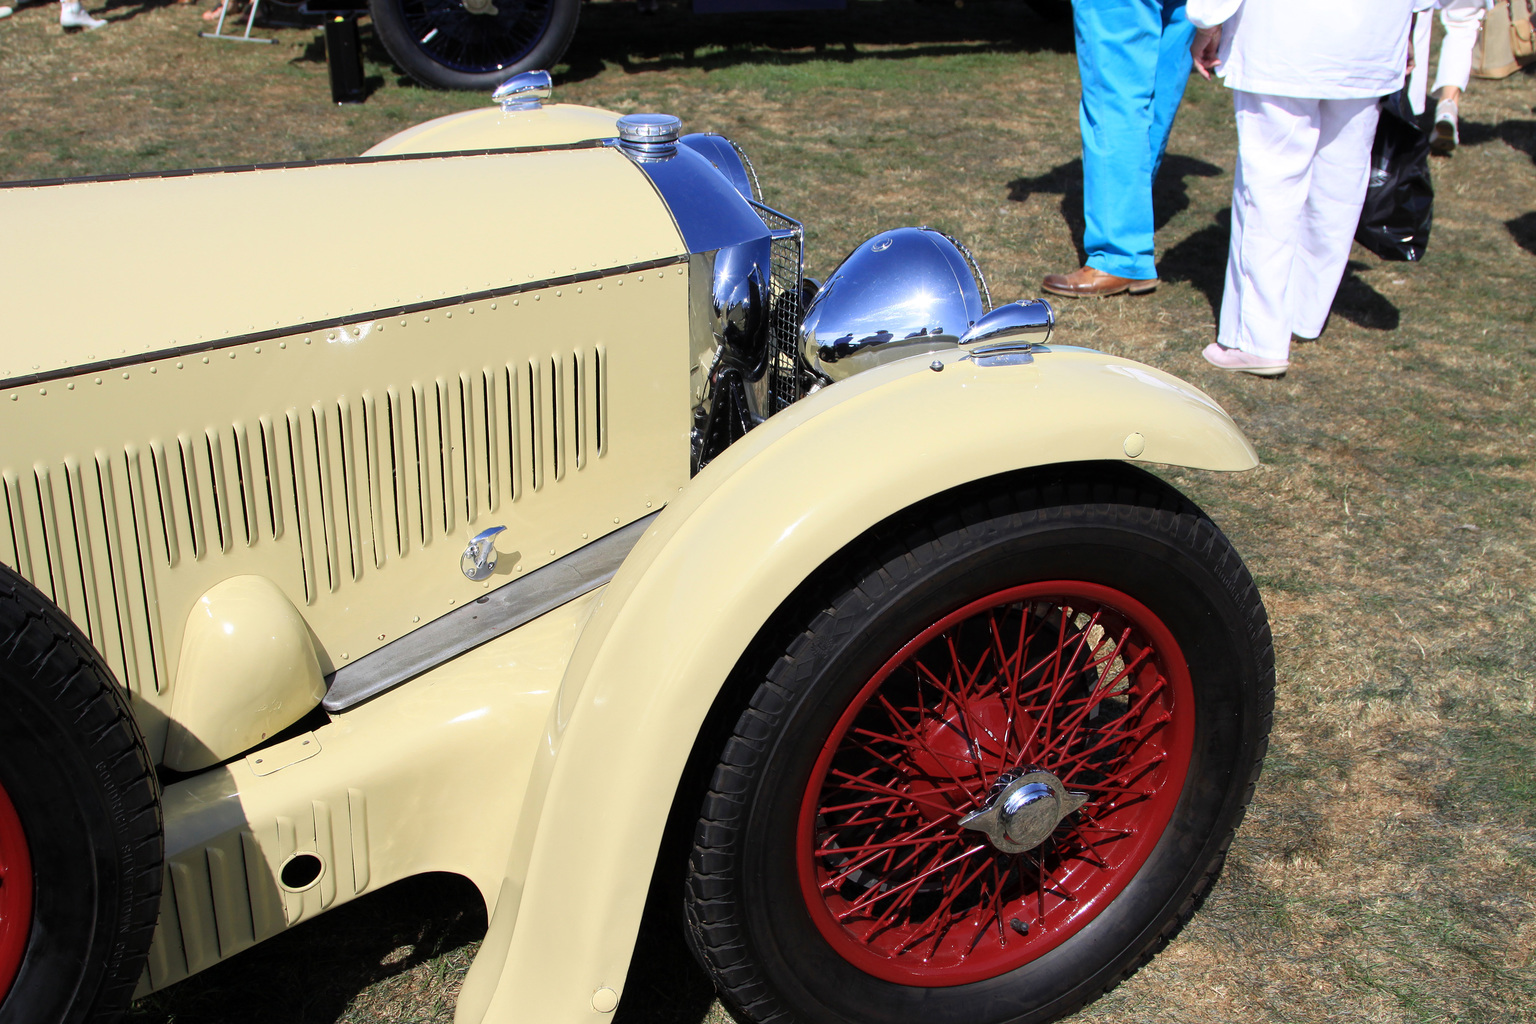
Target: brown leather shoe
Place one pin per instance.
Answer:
(1090, 283)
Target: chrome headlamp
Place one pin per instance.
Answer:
(901, 292)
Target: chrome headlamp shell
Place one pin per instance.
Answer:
(899, 293)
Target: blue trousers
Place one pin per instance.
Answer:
(1133, 58)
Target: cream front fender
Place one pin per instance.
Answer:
(710, 571)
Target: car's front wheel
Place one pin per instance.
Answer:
(995, 770)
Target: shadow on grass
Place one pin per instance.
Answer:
(1170, 192)
(1519, 135)
(1523, 230)
(127, 10)
(370, 49)
(1200, 259)
(325, 963)
(1363, 305)
(674, 37)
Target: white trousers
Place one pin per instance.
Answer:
(1461, 23)
(1418, 78)
(1302, 169)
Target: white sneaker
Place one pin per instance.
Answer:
(72, 15)
(1445, 136)
(6, 12)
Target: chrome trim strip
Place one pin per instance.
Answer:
(338, 161)
(495, 614)
(81, 369)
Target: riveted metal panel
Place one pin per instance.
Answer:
(349, 472)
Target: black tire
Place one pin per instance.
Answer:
(473, 51)
(752, 891)
(74, 766)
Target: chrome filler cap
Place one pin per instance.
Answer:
(525, 91)
(650, 135)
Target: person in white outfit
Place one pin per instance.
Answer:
(1462, 20)
(71, 15)
(1306, 100)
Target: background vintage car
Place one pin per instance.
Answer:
(452, 44)
(567, 530)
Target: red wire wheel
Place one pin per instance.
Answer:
(15, 893)
(995, 757)
(1074, 678)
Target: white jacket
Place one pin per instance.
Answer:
(1311, 49)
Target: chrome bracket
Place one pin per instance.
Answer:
(479, 558)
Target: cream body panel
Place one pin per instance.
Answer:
(716, 564)
(554, 124)
(348, 466)
(426, 778)
(284, 247)
(248, 671)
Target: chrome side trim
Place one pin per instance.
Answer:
(499, 612)
(292, 165)
(42, 377)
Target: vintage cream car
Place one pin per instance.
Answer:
(572, 527)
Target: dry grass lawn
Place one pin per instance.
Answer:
(1387, 871)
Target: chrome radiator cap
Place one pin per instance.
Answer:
(525, 91)
(649, 136)
(897, 294)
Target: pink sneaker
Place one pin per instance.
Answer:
(1237, 359)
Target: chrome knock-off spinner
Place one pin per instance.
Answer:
(1024, 809)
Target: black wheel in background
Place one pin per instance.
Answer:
(1095, 630)
(478, 44)
(80, 830)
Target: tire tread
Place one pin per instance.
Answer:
(47, 660)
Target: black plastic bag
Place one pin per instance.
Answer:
(1399, 204)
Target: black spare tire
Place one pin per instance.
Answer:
(80, 829)
(473, 44)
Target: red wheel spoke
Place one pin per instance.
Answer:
(1069, 678)
(863, 805)
(866, 900)
(958, 703)
(911, 839)
(942, 916)
(941, 761)
(1139, 733)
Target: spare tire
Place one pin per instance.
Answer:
(474, 44)
(81, 840)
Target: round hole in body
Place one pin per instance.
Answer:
(301, 871)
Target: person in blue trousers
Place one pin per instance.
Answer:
(1133, 58)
